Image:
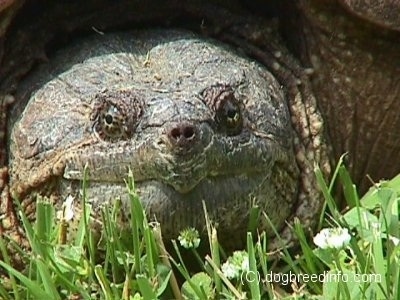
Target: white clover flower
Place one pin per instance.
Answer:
(67, 209)
(334, 238)
(230, 270)
(245, 265)
(235, 264)
(189, 238)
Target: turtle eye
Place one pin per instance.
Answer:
(228, 115)
(115, 115)
(112, 122)
(108, 118)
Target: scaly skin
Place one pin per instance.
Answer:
(357, 83)
(353, 67)
(193, 121)
(267, 162)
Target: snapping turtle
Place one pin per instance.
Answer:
(196, 120)
(191, 120)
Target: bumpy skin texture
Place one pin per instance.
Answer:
(193, 121)
(356, 80)
(348, 70)
(290, 150)
(381, 12)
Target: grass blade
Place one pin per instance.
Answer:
(104, 283)
(34, 288)
(47, 279)
(145, 287)
(254, 284)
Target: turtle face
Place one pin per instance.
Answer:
(192, 121)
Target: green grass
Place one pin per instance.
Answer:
(136, 265)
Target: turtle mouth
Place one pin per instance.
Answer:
(184, 183)
(202, 187)
(180, 183)
(180, 173)
(227, 199)
(180, 187)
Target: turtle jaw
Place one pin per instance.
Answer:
(228, 200)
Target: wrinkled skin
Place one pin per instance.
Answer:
(356, 81)
(341, 66)
(174, 95)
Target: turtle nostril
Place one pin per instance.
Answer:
(188, 132)
(182, 134)
(175, 133)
